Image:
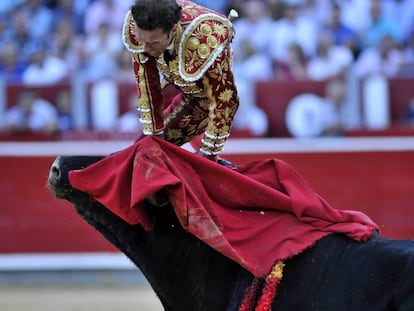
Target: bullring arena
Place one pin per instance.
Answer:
(86, 298)
(51, 259)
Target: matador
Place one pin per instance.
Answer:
(179, 43)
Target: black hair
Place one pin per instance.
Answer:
(153, 14)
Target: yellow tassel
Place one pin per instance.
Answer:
(277, 270)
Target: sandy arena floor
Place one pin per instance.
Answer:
(78, 298)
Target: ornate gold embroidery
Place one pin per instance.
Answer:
(174, 134)
(174, 113)
(220, 30)
(226, 95)
(211, 34)
(223, 106)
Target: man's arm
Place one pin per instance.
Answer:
(222, 94)
(150, 95)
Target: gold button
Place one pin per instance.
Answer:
(203, 50)
(206, 30)
(212, 41)
(193, 43)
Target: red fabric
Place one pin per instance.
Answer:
(256, 215)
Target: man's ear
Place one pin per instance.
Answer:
(174, 30)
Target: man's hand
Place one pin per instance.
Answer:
(207, 156)
(159, 135)
(218, 160)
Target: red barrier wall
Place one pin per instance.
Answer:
(32, 220)
(49, 92)
(379, 183)
(274, 96)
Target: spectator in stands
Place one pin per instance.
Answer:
(67, 10)
(355, 14)
(340, 33)
(125, 73)
(251, 43)
(292, 28)
(316, 10)
(18, 32)
(380, 26)
(334, 103)
(101, 49)
(5, 32)
(63, 103)
(403, 12)
(216, 5)
(39, 18)
(44, 68)
(7, 6)
(11, 67)
(30, 113)
(103, 104)
(110, 12)
(330, 61)
(384, 59)
(251, 120)
(276, 9)
(407, 68)
(67, 45)
(252, 62)
(310, 115)
(295, 68)
(129, 120)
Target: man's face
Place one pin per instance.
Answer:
(154, 41)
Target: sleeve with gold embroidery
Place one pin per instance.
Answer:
(150, 96)
(222, 95)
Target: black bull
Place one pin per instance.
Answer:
(186, 274)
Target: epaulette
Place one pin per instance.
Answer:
(128, 35)
(203, 39)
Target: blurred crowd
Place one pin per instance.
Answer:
(320, 39)
(48, 41)
(44, 42)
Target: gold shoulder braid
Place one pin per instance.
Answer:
(201, 43)
(128, 35)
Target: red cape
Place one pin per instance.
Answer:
(255, 215)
